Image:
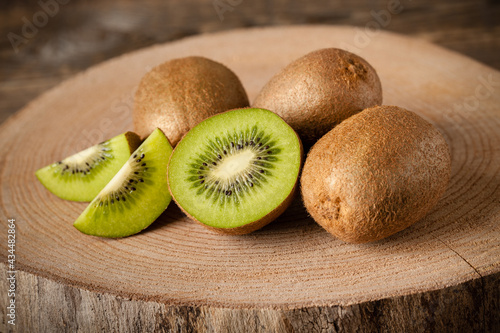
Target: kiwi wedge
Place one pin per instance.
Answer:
(236, 171)
(80, 177)
(136, 195)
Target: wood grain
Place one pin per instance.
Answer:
(441, 273)
(84, 33)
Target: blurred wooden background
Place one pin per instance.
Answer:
(44, 42)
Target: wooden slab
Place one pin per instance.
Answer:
(443, 272)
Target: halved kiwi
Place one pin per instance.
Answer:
(80, 177)
(136, 195)
(236, 171)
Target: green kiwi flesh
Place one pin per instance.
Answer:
(80, 177)
(236, 171)
(136, 195)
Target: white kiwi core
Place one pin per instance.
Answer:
(234, 165)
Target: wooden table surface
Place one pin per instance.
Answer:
(45, 42)
(440, 275)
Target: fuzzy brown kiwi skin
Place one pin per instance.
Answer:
(319, 90)
(375, 174)
(253, 226)
(178, 94)
(133, 140)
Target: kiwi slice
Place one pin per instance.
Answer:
(136, 195)
(81, 176)
(236, 171)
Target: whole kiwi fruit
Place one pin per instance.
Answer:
(375, 174)
(319, 90)
(178, 94)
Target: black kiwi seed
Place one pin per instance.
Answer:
(237, 184)
(128, 183)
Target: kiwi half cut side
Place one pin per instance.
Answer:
(80, 177)
(136, 195)
(236, 171)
